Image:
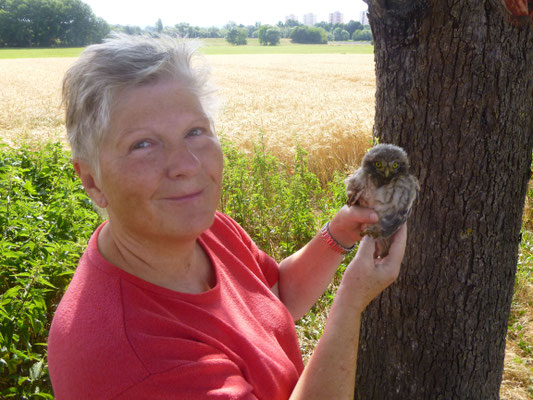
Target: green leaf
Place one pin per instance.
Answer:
(36, 370)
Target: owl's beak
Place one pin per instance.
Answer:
(387, 172)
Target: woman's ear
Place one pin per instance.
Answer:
(90, 182)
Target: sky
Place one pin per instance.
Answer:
(206, 13)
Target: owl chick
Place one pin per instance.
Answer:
(383, 182)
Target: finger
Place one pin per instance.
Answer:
(363, 214)
(367, 247)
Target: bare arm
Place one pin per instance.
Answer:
(305, 275)
(330, 373)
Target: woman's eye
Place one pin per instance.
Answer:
(195, 132)
(143, 144)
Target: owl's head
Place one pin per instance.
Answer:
(384, 162)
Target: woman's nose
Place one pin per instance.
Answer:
(182, 161)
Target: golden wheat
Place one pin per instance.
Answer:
(30, 102)
(323, 103)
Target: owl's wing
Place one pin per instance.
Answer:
(398, 211)
(390, 223)
(355, 184)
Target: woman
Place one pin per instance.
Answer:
(171, 299)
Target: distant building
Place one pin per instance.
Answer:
(291, 17)
(336, 18)
(309, 19)
(364, 17)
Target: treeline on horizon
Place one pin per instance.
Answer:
(50, 23)
(72, 23)
(353, 30)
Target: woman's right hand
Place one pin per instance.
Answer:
(367, 276)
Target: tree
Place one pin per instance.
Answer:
(159, 26)
(352, 26)
(291, 23)
(213, 32)
(81, 26)
(363, 35)
(327, 26)
(305, 34)
(269, 35)
(237, 36)
(340, 34)
(454, 83)
(49, 23)
(128, 29)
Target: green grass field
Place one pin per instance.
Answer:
(220, 46)
(40, 53)
(214, 47)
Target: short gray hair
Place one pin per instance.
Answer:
(91, 84)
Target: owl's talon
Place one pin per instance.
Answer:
(371, 233)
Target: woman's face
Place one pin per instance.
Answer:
(161, 164)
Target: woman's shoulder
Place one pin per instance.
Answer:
(227, 228)
(227, 237)
(87, 340)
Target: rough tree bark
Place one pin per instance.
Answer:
(454, 88)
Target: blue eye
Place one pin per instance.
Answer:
(142, 144)
(195, 132)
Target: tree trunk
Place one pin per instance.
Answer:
(454, 88)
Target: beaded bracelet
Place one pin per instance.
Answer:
(330, 240)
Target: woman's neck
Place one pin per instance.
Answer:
(180, 265)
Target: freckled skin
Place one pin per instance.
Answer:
(383, 182)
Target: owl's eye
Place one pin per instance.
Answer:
(378, 164)
(395, 165)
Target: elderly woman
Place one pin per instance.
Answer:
(172, 299)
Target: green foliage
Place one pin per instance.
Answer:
(362, 35)
(352, 26)
(45, 222)
(29, 23)
(159, 26)
(269, 35)
(305, 34)
(237, 36)
(280, 206)
(340, 34)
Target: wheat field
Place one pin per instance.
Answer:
(323, 103)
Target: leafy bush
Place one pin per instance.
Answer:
(237, 36)
(45, 222)
(364, 35)
(280, 206)
(269, 35)
(305, 34)
(340, 34)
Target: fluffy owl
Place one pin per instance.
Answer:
(383, 182)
